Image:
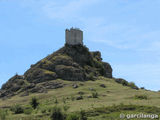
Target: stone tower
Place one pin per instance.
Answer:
(74, 36)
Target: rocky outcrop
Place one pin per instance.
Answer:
(18, 85)
(71, 62)
(108, 70)
(74, 63)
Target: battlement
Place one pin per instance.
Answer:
(74, 36)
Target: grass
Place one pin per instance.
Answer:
(113, 95)
(48, 72)
(113, 112)
(141, 97)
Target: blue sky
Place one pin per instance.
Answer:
(127, 32)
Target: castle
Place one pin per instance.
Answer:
(74, 36)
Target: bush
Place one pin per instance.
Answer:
(95, 95)
(56, 101)
(143, 88)
(83, 115)
(100, 67)
(57, 114)
(91, 76)
(72, 98)
(34, 102)
(43, 111)
(28, 110)
(77, 116)
(3, 114)
(65, 108)
(64, 100)
(17, 109)
(124, 83)
(81, 93)
(132, 85)
(73, 116)
(141, 97)
(79, 97)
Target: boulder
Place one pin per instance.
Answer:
(102, 85)
(79, 98)
(108, 70)
(75, 86)
(70, 73)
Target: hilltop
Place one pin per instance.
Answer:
(71, 62)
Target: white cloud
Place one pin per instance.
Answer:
(126, 37)
(108, 34)
(68, 10)
(116, 34)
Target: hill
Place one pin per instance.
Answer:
(75, 84)
(72, 62)
(111, 100)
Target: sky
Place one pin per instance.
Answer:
(127, 32)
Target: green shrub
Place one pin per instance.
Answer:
(65, 108)
(132, 85)
(72, 98)
(143, 88)
(81, 93)
(28, 111)
(57, 114)
(49, 110)
(43, 111)
(124, 83)
(91, 76)
(17, 109)
(34, 102)
(64, 100)
(141, 97)
(73, 116)
(77, 116)
(56, 101)
(83, 115)
(100, 67)
(3, 114)
(94, 94)
(79, 97)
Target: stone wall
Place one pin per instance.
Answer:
(74, 36)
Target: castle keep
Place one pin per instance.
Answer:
(74, 36)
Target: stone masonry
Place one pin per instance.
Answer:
(74, 36)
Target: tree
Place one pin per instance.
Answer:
(34, 102)
(57, 114)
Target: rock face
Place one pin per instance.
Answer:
(71, 62)
(74, 63)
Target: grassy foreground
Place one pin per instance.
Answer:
(98, 102)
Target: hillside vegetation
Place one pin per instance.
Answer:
(112, 99)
